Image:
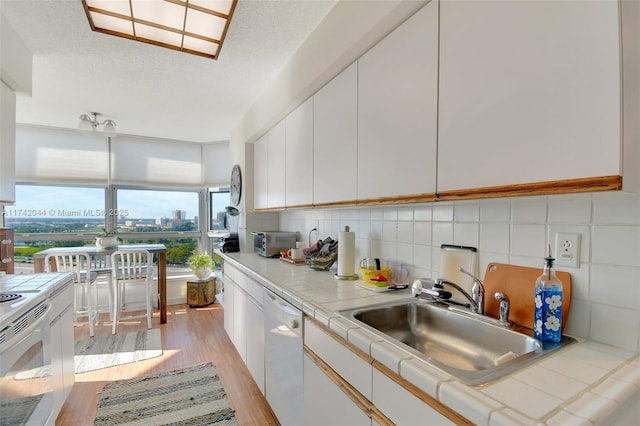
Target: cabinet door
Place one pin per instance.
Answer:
(529, 92)
(260, 176)
(67, 351)
(397, 110)
(7, 144)
(240, 322)
(229, 300)
(255, 342)
(325, 403)
(276, 166)
(335, 139)
(401, 406)
(299, 155)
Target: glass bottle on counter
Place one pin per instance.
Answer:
(548, 303)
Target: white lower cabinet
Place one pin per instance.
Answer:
(240, 322)
(62, 347)
(325, 403)
(401, 406)
(255, 342)
(229, 299)
(244, 320)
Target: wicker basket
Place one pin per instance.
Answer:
(321, 263)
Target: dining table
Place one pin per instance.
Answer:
(158, 250)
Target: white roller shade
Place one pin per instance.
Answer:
(45, 154)
(216, 161)
(138, 160)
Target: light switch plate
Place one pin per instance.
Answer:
(567, 249)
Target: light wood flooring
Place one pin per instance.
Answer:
(190, 336)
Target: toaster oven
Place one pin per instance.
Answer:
(271, 243)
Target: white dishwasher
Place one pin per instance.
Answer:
(283, 359)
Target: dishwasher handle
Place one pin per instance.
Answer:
(282, 311)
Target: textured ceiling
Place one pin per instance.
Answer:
(149, 90)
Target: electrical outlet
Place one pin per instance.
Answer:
(567, 249)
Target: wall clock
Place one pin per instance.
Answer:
(235, 190)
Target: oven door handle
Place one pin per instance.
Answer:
(23, 334)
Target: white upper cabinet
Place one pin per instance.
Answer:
(299, 155)
(260, 173)
(276, 166)
(7, 144)
(397, 110)
(529, 92)
(335, 139)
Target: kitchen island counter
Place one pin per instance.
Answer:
(33, 288)
(584, 383)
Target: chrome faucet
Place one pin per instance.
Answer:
(477, 292)
(475, 307)
(437, 291)
(504, 309)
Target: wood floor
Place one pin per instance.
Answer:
(190, 336)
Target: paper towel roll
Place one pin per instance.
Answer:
(346, 253)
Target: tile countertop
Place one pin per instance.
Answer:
(586, 383)
(38, 287)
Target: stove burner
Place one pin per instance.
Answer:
(8, 297)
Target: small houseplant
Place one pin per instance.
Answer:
(107, 239)
(201, 264)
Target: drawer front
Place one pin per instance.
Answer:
(345, 362)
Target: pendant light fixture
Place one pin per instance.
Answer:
(91, 123)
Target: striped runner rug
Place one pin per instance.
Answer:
(187, 396)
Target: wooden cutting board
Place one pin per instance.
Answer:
(517, 283)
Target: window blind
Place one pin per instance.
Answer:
(216, 161)
(137, 160)
(56, 155)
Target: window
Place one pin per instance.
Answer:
(146, 210)
(58, 216)
(56, 210)
(218, 202)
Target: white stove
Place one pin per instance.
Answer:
(32, 289)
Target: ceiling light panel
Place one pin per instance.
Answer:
(160, 12)
(193, 26)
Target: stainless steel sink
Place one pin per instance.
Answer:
(468, 346)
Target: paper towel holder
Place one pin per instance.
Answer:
(345, 277)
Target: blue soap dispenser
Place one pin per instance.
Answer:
(548, 303)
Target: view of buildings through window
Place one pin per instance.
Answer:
(58, 216)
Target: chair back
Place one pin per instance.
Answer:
(79, 263)
(132, 264)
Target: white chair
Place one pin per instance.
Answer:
(84, 283)
(131, 267)
(102, 268)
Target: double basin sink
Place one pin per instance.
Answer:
(471, 347)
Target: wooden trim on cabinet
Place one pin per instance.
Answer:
(269, 209)
(352, 393)
(569, 186)
(404, 199)
(422, 395)
(349, 203)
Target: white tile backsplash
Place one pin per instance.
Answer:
(605, 302)
(617, 245)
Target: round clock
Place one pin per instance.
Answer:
(235, 190)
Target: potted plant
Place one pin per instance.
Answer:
(201, 264)
(107, 239)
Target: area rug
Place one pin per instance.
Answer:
(96, 353)
(187, 396)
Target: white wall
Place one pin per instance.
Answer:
(606, 288)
